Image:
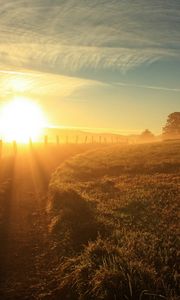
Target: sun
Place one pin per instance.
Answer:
(20, 120)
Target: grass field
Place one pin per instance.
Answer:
(114, 222)
(90, 222)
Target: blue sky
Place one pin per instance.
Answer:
(98, 64)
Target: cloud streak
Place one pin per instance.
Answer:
(67, 36)
(18, 73)
(41, 84)
(149, 87)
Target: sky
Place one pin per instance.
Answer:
(99, 65)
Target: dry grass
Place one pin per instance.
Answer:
(119, 206)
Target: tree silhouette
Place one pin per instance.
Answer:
(172, 127)
(147, 135)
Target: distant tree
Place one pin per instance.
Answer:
(172, 127)
(147, 136)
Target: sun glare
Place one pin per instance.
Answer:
(19, 84)
(20, 120)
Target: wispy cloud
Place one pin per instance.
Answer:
(66, 36)
(141, 86)
(40, 84)
(18, 73)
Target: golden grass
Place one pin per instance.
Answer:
(128, 197)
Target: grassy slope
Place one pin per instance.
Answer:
(115, 214)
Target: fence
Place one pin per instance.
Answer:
(98, 139)
(46, 142)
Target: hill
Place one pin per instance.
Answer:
(114, 221)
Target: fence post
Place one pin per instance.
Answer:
(1, 146)
(57, 140)
(14, 147)
(77, 138)
(99, 139)
(30, 143)
(45, 140)
(85, 142)
(92, 139)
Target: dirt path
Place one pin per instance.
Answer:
(24, 221)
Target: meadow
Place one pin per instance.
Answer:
(113, 219)
(90, 222)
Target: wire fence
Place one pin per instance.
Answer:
(58, 141)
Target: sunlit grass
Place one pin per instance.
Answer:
(134, 194)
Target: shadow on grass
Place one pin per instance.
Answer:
(73, 219)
